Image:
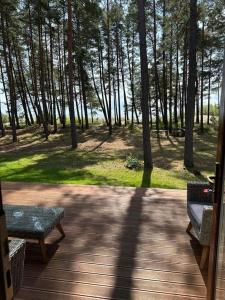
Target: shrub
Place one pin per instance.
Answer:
(132, 162)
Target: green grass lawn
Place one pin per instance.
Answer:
(33, 160)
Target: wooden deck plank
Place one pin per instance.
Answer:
(103, 287)
(125, 271)
(121, 243)
(157, 275)
(46, 295)
(160, 274)
(144, 262)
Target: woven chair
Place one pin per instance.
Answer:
(17, 255)
(199, 209)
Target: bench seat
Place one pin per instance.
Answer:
(33, 222)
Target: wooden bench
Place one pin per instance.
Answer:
(33, 223)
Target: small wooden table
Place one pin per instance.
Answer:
(33, 222)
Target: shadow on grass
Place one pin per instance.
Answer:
(59, 164)
(61, 167)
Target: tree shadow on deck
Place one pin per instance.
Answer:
(126, 262)
(119, 234)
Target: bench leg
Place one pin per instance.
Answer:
(43, 250)
(189, 227)
(204, 257)
(60, 229)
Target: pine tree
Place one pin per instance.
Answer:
(190, 107)
(144, 86)
(70, 75)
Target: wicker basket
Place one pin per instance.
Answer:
(17, 255)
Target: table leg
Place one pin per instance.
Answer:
(43, 250)
(60, 229)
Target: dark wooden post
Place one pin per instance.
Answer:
(6, 291)
(218, 199)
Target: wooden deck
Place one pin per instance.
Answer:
(121, 243)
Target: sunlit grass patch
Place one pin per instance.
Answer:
(105, 165)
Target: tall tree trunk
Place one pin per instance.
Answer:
(197, 101)
(131, 67)
(6, 94)
(9, 68)
(202, 80)
(81, 103)
(218, 94)
(190, 108)
(1, 121)
(34, 73)
(22, 89)
(118, 74)
(65, 77)
(116, 118)
(126, 114)
(47, 78)
(102, 78)
(98, 96)
(184, 83)
(131, 83)
(109, 68)
(82, 71)
(83, 77)
(176, 86)
(61, 83)
(165, 117)
(144, 86)
(77, 106)
(70, 73)
(209, 87)
(26, 89)
(156, 78)
(42, 73)
(52, 78)
(102, 85)
(171, 80)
